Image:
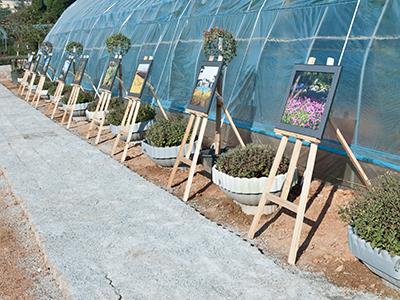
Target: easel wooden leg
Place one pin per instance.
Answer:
(181, 150)
(72, 106)
(217, 137)
(39, 90)
(193, 137)
(291, 170)
(364, 178)
(57, 98)
(68, 106)
(195, 158)
(131, 120)
(127, 111)
(268, 186)
(96, 112)
(234, 128)
(30, 87)
(302, 203)
(105, 108)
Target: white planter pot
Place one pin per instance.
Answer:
(137, 129)
(163, 156)
(90, 115)
(378, 261)
(247, 191)
(79, 109)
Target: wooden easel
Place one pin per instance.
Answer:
(30, 87)
(38, 92)
(57, 97)
(197, 126)
(99, 115)
(24, 82)
(130, 116)
(282, 200)
(70, 107)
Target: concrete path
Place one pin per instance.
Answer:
(110, 234)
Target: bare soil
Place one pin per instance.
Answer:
(323, 247)
(23, 270)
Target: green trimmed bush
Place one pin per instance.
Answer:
(374, 213)
(116, 114)
(252, 161)
(166, 133)
(51, 86)
(83, 97)
(67, 92)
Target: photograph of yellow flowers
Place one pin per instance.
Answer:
(309, 99)
(139, 80)
(81, 70)
(110, 74)
(205, 87)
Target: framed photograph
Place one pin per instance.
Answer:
(205, 86)
(110, 74)
(65, 69)
(80, 72)
(35, 64)
(42, 70)
(29, 61)
(140, 78)
(308, 100)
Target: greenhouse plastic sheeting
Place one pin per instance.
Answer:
(272, 36)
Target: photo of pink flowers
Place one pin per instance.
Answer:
(308, 99)
(305, 105)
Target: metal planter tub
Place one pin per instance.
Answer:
(378, 261)
(90, 114)
(79, 109)
(163, 156)
(247, 191)
(138, 130)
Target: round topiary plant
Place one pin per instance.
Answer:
(46, 47)
(252, 161)
(166, 133)
(374, 213)
(74, 48)
(212, 40)
(118, 43)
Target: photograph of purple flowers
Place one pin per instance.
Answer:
(309, 99)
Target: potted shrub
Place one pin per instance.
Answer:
(242, 173)
(90, 110)
(373, 216)
(82, 102)
(144, 119)
(163, 139)
(49, 88)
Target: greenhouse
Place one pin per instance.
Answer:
(200, 149)
(272, 36)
